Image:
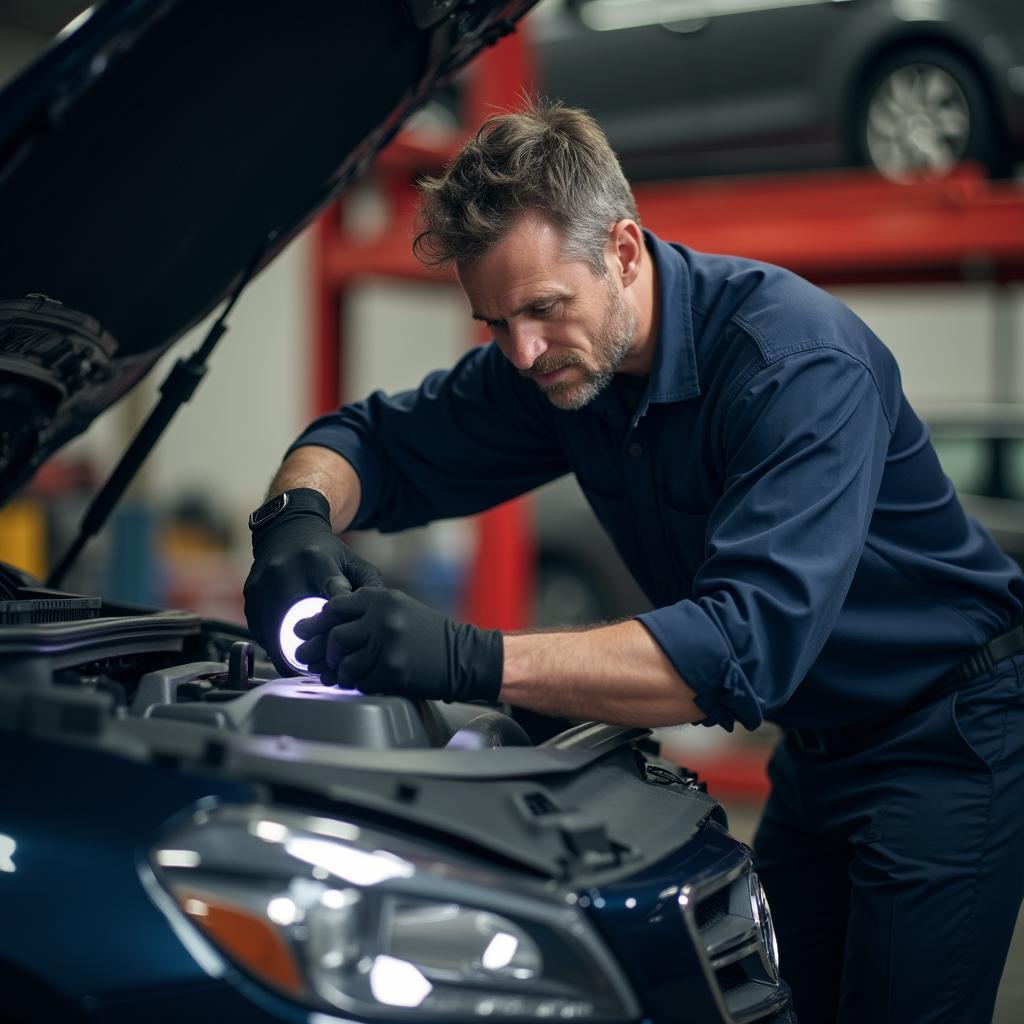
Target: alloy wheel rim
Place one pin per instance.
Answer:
(918, 123)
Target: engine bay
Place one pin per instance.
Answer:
(197, 695)
(175, 667)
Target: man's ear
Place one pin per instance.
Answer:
(626, 244)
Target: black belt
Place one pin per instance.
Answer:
(847, 739)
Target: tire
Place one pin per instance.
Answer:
(920, 112)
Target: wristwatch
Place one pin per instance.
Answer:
(299, 499)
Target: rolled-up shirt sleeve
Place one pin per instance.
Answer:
(804, 442)
(466, 439)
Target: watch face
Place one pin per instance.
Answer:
(267, 511)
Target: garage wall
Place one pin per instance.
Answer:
(955, 344)
(398, 333)
(230, 439)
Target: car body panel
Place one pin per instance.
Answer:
(79, 837)
(102, 963)
(635, 912)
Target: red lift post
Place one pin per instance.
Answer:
(501, 581)
(500, 585)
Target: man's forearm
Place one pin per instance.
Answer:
(614, 673)
(327, 472)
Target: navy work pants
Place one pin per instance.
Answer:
(895, 872)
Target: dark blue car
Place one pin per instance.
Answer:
(184, 836)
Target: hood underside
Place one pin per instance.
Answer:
(157, 151)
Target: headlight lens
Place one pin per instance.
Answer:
(339, 916)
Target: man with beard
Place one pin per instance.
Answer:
(744, 439)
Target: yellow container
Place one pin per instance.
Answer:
(23, 536)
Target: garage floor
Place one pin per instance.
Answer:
(1009, 1006)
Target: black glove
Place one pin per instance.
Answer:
(294, 556)
(382, 641)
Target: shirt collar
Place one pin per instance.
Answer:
(673, 376)
(674, 370)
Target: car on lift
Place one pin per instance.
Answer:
(689, 87)
(183, 833)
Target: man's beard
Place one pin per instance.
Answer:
(611, 345)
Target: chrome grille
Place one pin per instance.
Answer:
(732, 934)
(710, 911)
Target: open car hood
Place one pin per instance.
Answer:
(163, 147)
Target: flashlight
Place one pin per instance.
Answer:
(287, 641)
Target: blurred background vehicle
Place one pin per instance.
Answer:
(686, 87)
(698, 87)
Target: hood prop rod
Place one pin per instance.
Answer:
(177, 388)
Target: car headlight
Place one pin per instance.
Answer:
(339, 916)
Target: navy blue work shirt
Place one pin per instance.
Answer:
(772, 491)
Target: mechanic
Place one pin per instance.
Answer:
(743, 438)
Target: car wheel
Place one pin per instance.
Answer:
(921, 112)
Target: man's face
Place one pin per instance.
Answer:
(556, 322)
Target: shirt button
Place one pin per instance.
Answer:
(636, 448)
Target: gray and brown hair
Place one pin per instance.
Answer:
(548, 158)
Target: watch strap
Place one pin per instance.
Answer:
(296, 499)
